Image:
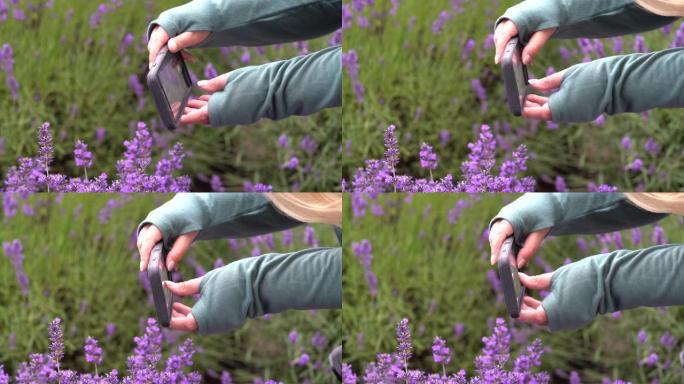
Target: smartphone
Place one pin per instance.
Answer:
(170, 84)
(513, 290)
(515, 76)
(157, 273)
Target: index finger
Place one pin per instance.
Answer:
(503, 33)
(158, 39)
(534, 316)
(147, 238)
(500, 231)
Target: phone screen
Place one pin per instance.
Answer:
(174, 85)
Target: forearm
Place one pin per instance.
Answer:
(218, 215)
(299, 86)
(620, 84)
(573, 213)
(309, 279)
(582, 18)
(253, 22)
(615, 281)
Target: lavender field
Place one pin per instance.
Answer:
(422, 303)
(76, 309)
(430, 73)
(81, 67)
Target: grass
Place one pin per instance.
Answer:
(434, 273)
(86, 272)
(406, 68)
(74, 77)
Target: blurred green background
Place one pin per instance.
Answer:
(421, 82)
(76, 77)
(82, 266)
(435, 273)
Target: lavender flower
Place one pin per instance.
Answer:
(428, 159)
(56, 340)
(440, 352)
(404, 346)
(93, 352)
(83, 157)
(15, 252)
(364, 253)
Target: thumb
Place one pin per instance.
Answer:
(184, 288)
(186, 40)
(214, 85)
(549, 82)
(536, 282)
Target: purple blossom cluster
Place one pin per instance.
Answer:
(350, 62)
(32, 174)
(476, 172)
(493, 365)
(143, 365)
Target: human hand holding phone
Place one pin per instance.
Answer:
(150, 235)
(182, 318)
(506, 30)
(197, 110)
(503, 229)
(532, 311)
(160, 38)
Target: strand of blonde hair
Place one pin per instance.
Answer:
(310, 207)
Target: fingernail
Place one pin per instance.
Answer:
(527, 59)
(202, 83)
(521, 264)
(170, 265)
(141, 266)
(172, 45)
(496, 59)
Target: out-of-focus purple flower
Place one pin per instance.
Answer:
(626, 142)
(348, 376)
(293, 337)
(440, 352)
(363, 251)
(459, 328)
(110, 330)
(651, 360)
(308, 144)
(283, 141)
(636, 165)
(668, 341)
(82, 156)
(391, 147)
(651, 146)
(293, 163)
(226, 378)
(438, 24)
(468, 48)
(15, 253)
(209, 71)
(642, 336)
(93, 352)
(658, 235)
(302, 360)
(560, 184)
(216, 185)
(640, 44)
(126, 42)
(428, 158)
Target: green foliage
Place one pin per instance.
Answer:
(435, 274)
(86, 272)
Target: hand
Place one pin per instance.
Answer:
(197, 110)
(507, 30)
(181, 315)
(503, 229)
(531, 310)
(160, 37)
(537, 107)
(150, 235)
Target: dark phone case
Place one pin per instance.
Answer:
(515, 97)
(513, 303)
(158, 94)
(154, 268)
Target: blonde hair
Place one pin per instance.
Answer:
(658, 202)
(663, 7)
(310, 207)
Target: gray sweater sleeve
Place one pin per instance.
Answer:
(218, 215)
(272, 283)
(615, 281)
(582, 18)
(252, 22)
(299, 86)
(619, 84)
(573, 213)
